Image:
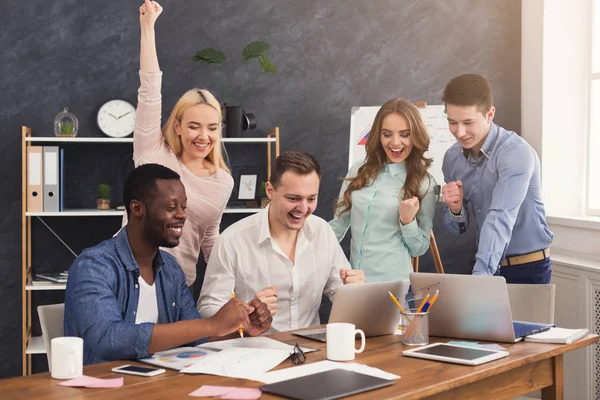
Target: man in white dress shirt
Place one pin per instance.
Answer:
(283, 255)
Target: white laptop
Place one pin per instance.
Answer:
(472, 307)
(366, 305)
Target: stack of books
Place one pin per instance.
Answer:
(44, 279)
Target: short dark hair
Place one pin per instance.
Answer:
(469, 90)
(295, 161)
(141, 183)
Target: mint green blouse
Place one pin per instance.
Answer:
(381, 246)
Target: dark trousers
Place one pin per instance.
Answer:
(533, 272)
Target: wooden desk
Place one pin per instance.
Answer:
(529, 367)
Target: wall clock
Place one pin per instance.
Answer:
(116, 118)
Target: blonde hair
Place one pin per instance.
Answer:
(192, 98)
(416, 162)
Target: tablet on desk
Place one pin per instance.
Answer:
(455, 354)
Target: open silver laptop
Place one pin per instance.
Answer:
(472, 307)
(367, 305)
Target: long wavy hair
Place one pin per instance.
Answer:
(416, 162)
(189, 99)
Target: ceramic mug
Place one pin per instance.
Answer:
(67, 357)
(340, 341)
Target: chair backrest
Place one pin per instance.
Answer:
(52, 322)
(532, 303)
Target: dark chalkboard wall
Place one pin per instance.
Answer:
(331, 55)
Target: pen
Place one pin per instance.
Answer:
(423, 303)
(396, 301)
(240, 330)
(429, 304)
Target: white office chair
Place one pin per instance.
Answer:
(52, 322)
(532, 303)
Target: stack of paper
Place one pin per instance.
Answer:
(227, 392)
(558, 335)
(321, 366)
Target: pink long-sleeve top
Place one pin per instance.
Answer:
(206, 196)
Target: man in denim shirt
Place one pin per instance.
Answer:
(496, 174)
(107, 281)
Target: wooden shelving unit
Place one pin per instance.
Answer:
(35, 344)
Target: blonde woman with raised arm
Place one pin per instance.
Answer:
(189, 143)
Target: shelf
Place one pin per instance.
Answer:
(104, 213)
(249, 140)
(79, 139)
(36, 345)
(47, 286)
(241, 210)
(76, 213)
(49, 139)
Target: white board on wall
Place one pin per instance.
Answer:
(434, 117)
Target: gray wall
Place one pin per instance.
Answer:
(331, 55)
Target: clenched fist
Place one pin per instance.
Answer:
(268, 296)
(149, 12)
(408, 210)
(352, 276)
(453, 196)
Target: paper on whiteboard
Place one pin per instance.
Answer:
(238, 362)
(435, 120)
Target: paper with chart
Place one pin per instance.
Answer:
(258, 342)
(434, 117)
(239, 362)
(178, 358)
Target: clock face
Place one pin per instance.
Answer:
(116, 118)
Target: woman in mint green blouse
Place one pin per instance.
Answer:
(388, 199)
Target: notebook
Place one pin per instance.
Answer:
(326, 385)
(558, 335)
(523, 329)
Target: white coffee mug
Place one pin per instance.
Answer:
(340, 341)
(67, 357)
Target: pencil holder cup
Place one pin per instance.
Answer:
(415, 327)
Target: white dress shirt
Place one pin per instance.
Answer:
(247, 259)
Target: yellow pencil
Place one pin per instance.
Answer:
(396, 301)
(423, 303)
(240, 330)
(433, 299)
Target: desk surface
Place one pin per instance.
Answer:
(530, 366)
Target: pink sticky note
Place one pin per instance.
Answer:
(211, 391)
(82, 381)
(242, 394)
(106, 383)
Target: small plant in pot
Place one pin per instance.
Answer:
(262, 191)
(104, 193)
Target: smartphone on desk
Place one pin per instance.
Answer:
(136, 370)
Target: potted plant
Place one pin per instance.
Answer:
(262, 191)
(104, 193)
(234, 113)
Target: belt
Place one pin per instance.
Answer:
(539, 255)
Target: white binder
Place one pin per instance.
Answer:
(35, 195)
(51, 182)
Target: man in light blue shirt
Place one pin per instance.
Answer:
(495, 174)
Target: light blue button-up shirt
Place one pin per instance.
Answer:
(380, 245)
(503, 189)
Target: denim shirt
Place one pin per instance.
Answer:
(503, 189)
(102, 295)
